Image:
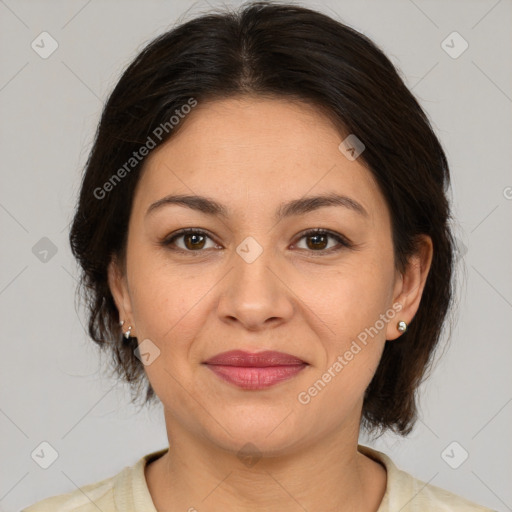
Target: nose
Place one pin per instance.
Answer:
(255, 293)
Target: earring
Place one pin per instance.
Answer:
(121, 323)
(127, 333)
(401, 326)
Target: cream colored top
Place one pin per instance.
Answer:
(128, 492)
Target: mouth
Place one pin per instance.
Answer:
(255, 371)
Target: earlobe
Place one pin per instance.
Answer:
(410, 290)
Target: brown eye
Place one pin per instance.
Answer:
(317, 240)
(193, 240)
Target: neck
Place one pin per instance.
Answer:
(329, 474)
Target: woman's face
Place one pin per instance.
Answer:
(252, 280)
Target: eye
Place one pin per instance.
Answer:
(193, 239)
(319, 240)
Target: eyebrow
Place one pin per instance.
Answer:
(300, 206)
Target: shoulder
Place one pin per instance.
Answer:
(113, 494)
(87, 498)
(409, 494)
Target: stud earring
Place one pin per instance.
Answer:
(127, 333)
(401, 326)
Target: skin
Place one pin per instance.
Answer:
(252, 154)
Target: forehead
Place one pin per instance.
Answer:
(253, 152)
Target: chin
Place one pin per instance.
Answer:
(273, 433)
(256, 445)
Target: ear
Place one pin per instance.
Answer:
(409, 286)
(119, 288)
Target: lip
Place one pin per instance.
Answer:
(255, 370)
(254, 359)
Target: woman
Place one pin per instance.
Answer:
(263, 232)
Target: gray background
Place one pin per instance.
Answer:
(52, 383)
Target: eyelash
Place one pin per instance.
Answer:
(342, 241)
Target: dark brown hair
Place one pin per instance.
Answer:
(284, 51)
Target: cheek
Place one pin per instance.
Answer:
(170, 306)
(353, 349)
(356, 308)
(353, 299)
(166, 309)
(162, 294)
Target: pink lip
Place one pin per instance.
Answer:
(255, 370)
